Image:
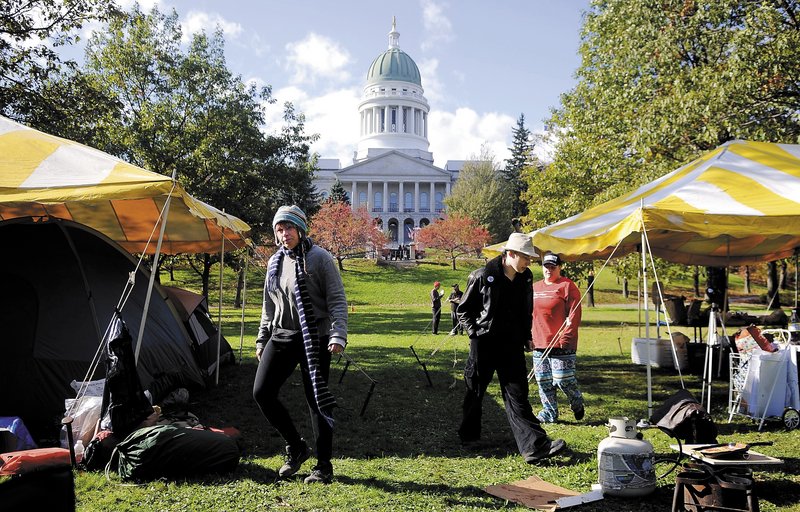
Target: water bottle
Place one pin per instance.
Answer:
(79, 449)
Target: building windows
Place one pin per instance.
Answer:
(408, 203)
(393, 202)
(378, 205)
(424, 202)
(362, 199)
(439, 202)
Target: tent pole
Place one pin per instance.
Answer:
(647, 324)
(86, 286)
(219, 306)
(795, 278)
(244, 302)
(153, 273)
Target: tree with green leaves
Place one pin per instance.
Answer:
(521, 159)
(661, 83)
(182, 111)
(339, 194)
(481, 193)
(31, 34)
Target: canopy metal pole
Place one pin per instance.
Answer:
(244, 302)
(219, 307)
(646, 320)
(153, 273)
(795, 278)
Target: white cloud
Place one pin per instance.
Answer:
(199, 21)
(460, 135)
(315, 57)
(333, 115)
(438, 28)
(257, 45)
(430, 80)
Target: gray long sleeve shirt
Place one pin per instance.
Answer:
(325, 287)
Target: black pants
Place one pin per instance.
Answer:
(487, 356)
(278, 361)
(437, 315)
(457, 327)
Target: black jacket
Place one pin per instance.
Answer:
(476, 310)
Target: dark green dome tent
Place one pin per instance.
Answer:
(61, 283)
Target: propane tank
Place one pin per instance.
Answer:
(625, 461)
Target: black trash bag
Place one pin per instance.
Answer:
(684, 418)
(125, 405)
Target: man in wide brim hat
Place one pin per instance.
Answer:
(496, 312)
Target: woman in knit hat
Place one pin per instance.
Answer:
(303, 322)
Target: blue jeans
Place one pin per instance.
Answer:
(556, 371)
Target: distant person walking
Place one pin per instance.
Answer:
(303, 322)
(556, 319)
(495, 311)
(455, 299)
(436, 306)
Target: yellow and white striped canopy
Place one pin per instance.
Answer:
(738, 204)
(46, 176)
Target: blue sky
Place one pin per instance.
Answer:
(482, 63)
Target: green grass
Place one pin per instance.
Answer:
(403, 452)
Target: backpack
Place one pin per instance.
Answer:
(684, 418)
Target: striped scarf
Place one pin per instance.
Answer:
(308, 324)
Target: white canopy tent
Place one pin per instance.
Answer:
(738, 204)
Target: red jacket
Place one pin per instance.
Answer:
(552, 303)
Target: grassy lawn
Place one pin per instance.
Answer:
(403, 452)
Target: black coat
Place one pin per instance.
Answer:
(476, 310)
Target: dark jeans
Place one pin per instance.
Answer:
(487, 356)
(457, 327)
(278, 361)
(437, 315)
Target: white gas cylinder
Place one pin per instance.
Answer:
(625, 462)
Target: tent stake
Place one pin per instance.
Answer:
(366, 400)
(424, 368)
(344, 370)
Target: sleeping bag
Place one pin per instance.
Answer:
(174, 452)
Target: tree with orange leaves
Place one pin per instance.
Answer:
(456, 234)
(345, 233)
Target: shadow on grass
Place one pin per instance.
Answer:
(405, 415)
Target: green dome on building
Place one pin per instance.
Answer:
(394, 64)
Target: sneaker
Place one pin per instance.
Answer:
(319, 476)
(295, 457)
(579, 413)
(548, 450)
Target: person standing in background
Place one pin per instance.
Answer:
(436, 306)
(556, 319)
(455, 299)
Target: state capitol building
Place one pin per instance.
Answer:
(392, 173)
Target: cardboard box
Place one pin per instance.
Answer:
(536, 493)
